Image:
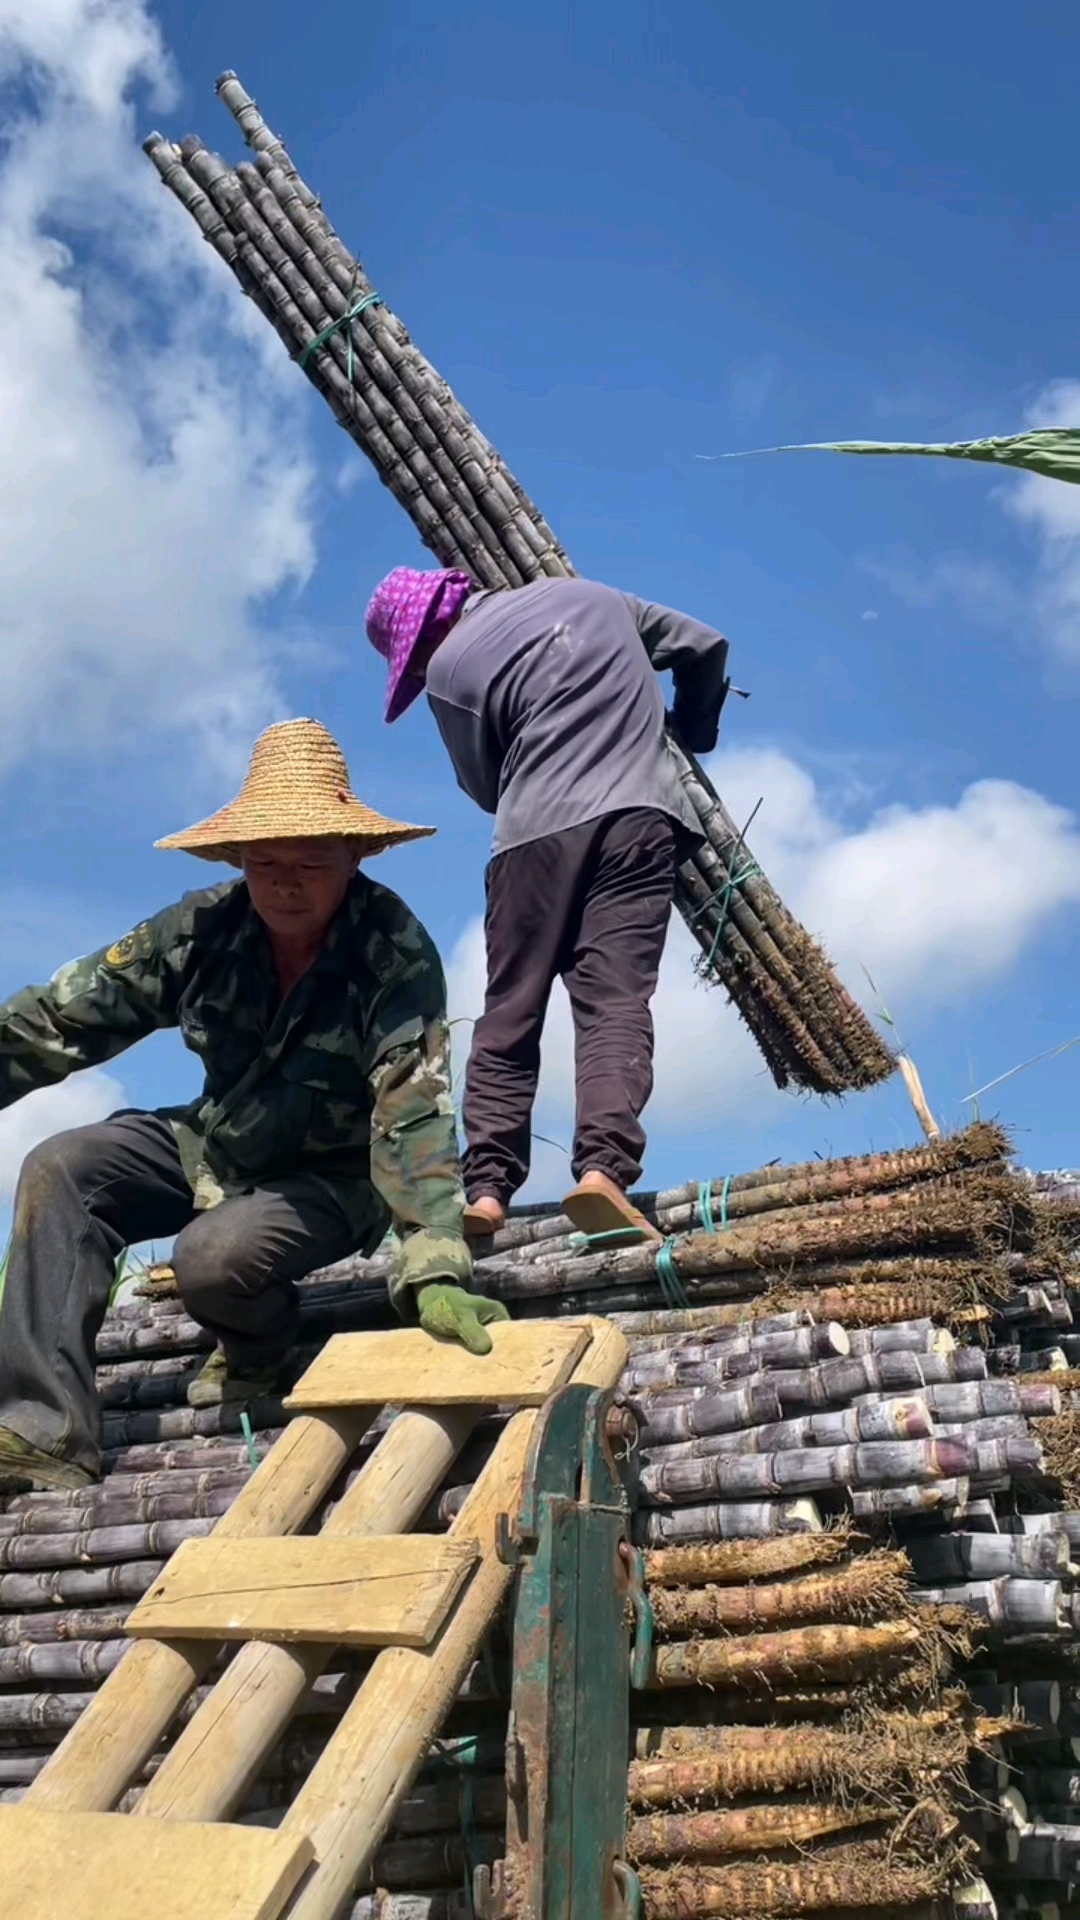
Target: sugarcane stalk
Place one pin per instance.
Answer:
(113, 1509)
(70, 1660)
(683, 1836)
(99, 1545)
(869, 1420)
(676, 1765)
(126, 1582)
(62, 1624)
(736, 1359)
(1027, 1605)
(857, 1878)
(755, 1520)
(806, 1470)
(737, 1562)
(811, 1654)
(938, 1497)
(875, 1584)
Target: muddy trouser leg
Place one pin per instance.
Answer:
(236, 1264)
(82, 1197)
(611, 979)
(533, 901)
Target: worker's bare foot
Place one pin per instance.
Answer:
(483, 1217)
(597, 1205)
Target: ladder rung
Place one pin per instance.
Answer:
(106, 1866)
(527, 1362)
(391, 1590)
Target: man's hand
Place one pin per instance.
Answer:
(450, 1313)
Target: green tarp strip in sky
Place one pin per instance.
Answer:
(1052, 451)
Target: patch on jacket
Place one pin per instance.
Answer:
(131, 947)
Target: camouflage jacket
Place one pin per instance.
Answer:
(346, 1080)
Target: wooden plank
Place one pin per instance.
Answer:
(103, 1866)
(353, 1793)
(110, 1744)
(529, 1359)
(390, 1590)
(215, 1758)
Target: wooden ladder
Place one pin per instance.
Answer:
(426, 1601)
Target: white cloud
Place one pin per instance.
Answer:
(751, 385)
(154, 490)
(935, 902)
(77, 1102)
(1045, 605)
(1052, 511)
(982, 587)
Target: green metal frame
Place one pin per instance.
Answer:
(568, 1737)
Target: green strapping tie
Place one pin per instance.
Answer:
(249, 1440)
(704, 1205)
(724, 895)
(343, 320)
(598, 1239)
(670, 1284)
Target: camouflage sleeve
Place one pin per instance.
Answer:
(414, 1149)
(91, 1010)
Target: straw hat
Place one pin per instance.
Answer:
(297, 788)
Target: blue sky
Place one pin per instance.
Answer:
(630, 237)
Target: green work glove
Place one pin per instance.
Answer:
(451, 1313)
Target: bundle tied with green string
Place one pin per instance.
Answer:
(271, 230)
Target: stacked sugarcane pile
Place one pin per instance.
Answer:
(272, 232)
(914, 1385)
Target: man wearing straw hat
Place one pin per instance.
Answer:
(547, 701)
(316, 1003)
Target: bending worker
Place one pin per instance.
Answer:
(547, 701)
(316, 1003)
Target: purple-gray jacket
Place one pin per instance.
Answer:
(547, 700)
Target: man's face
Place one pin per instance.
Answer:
(297, 886)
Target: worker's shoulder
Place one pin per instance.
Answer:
(205, 917)
(391, 937)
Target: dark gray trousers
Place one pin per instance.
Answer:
(592, 905)
(83, 1197)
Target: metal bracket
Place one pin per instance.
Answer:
(568, 1737)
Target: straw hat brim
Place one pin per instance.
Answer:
(242, 824)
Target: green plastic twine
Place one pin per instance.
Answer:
(343, 320)
(670, 1284)
(578, 1241)
(724, 894)
(704, 1205)
(249, 1440)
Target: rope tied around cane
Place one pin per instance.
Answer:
(343, 322)
(725, 893)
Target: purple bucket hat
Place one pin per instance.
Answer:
(405, 608)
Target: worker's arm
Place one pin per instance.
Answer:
(91, 1010)
(475, 757)
(414, 1156)
(415, 1167)
(697, 656)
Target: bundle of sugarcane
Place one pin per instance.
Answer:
(826, 1734)
(272, 232)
